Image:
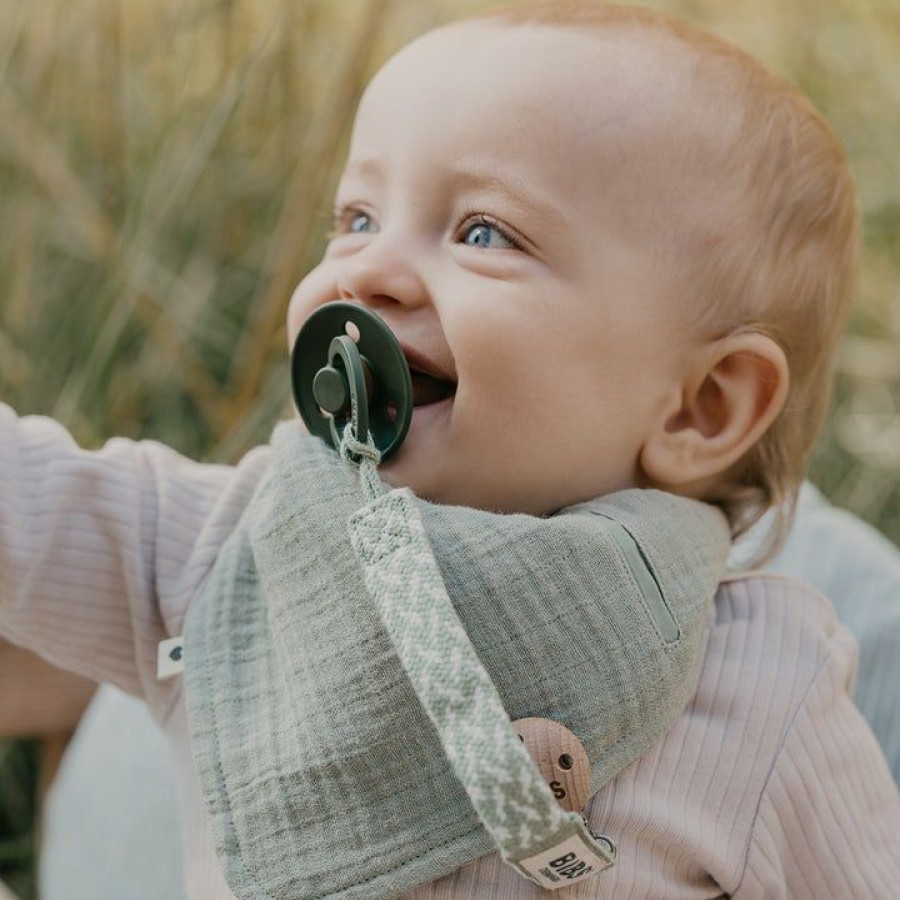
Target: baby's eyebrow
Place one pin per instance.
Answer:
(525, 197)
(368, 168)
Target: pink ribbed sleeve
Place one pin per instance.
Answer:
(100, 551)
(828, 820)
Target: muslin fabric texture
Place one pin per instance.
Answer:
(304, 724)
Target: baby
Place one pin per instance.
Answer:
(627, 252)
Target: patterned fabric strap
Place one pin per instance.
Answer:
(533, 833)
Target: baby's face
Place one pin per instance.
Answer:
(503, 208)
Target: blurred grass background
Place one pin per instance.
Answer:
(166, 171)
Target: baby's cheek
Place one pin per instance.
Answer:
(316, 288)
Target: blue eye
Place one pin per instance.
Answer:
(360, 223)
(351, 220)
(487, 237)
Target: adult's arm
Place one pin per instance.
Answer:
(37, 699)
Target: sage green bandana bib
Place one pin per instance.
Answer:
(353, 665)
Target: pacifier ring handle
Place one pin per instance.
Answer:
(344, 365)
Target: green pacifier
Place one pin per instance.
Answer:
(347, 367)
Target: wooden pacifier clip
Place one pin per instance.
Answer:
(560, 757)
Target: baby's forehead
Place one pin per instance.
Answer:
(617, 103)
(613, 72)
(634, 89)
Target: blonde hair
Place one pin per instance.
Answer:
(788, 265)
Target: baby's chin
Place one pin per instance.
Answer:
(426, 478)
(441, 489)
(425, 472)
(401, 471)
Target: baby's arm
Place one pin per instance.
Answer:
(100, 551)
(829, 817)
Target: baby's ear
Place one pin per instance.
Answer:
(728, 400)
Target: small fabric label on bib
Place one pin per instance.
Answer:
(170, 658)
(562, 865)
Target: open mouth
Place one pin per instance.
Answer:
(431, 383)
(427, 389)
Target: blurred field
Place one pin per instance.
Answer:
(165, 179)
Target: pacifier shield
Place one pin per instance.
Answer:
(384, 385)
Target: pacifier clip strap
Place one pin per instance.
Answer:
(550, 846)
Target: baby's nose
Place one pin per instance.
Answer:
(378, 274)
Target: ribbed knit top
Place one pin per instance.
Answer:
(770, 785)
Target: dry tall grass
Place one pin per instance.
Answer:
(165, 168)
